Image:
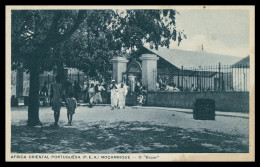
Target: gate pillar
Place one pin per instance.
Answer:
(149, 71)
(119, 67)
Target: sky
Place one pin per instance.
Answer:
(220, 31)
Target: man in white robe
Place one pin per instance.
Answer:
(114, 95)
(122, 90)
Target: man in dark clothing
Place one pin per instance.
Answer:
(44, 90)
(44, 93)
(76, 90)
(67, 87)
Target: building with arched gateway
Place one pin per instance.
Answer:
(206, 71)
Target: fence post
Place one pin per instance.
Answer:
(244, 77)
(227, 77)
(182, 77)
(222, 78)
(238, 76)
(210, 79)
(219, 82)
(178, 82)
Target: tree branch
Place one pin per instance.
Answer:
(53, 37)
(65, 36)
(53, 29)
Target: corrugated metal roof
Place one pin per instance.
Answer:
(243, 62)
(184, 58)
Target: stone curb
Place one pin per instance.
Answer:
(190, 111)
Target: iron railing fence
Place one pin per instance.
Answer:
(206, 78)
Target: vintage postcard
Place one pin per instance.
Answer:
(130, 83)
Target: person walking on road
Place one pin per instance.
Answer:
(71, 106)
(44, 90)
(122, 91)
(114, 95)
(76, 90)
(98, 90)
(91, 92)
(44, 93)
(57, 99)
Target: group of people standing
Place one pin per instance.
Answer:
(118, 95)
(115, 94)
(94, 94)
(170, 87)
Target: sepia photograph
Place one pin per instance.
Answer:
(130, 83)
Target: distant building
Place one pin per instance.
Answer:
(19, 83)
(178, 58)
(241, 75)
(207, 71)
(20, 80)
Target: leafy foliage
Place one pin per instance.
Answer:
(87, 40)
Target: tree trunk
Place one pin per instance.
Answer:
(59, 62)
(33, 108)
(60, 70)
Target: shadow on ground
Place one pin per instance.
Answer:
(122, 137)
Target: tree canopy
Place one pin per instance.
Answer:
(85, 39)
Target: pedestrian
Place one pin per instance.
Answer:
(44, 93)
(98, 97)
(85, 91)
(138, 88)
(114, 95)
(169, 87)
(122, 96)
(126, 87)
(163, 87)
(138, 92)
(51, 94)
(108, 90)
(101, 89)
(104, 93)
(91, 94)
(144, 93)
(71, 106)
(56, 99)
(192, 89)
(76, 90)
(175, 89)
(68, 87)
(44, 89)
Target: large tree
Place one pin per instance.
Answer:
(85, 39)
(34, 32)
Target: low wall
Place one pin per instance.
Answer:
(224, 101)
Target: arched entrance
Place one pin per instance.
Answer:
(145, 74)
(133, 74)
(134, 68)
